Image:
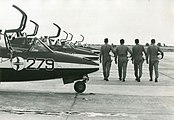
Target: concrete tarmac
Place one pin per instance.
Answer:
(102, 100)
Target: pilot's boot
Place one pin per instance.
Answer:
(136, 79)
(104, 75)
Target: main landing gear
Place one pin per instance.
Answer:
(80, 86)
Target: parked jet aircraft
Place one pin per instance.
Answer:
(64, 45)
(24, 59)
(87, 48)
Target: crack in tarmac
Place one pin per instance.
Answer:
(69, 113)
(74, 101)
(167, 75)
(20, 112)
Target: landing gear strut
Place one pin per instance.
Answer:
(80, 86)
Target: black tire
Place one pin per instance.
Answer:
(79, 86)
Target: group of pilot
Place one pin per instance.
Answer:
(136, 54)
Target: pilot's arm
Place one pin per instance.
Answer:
(101, 53)
(116, 55)
(148, 53)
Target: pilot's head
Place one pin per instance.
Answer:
(122, 41)
(136, 41)
(106, 40)
(153, 41)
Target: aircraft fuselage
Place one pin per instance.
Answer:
(30, 66)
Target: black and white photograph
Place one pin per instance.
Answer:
(86, 60)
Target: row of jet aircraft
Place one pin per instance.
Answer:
(66, 46)
(28, 58)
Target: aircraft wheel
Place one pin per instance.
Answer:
(79, 86)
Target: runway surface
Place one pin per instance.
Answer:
(102, 100)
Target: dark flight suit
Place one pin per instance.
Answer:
(122, 52)
(152, 53)
(137, 54)
(106, 59)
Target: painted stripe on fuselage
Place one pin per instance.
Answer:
(6, 63)
(74, 65)
(86, 56)
(92, 57)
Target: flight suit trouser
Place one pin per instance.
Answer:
(122, 67)
(153, 64)
(138, 65)
(106, 69)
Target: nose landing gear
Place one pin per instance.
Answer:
(80, 86)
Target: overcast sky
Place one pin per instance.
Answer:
(96, 19)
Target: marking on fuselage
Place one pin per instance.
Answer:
(38, 63)
(18, 63)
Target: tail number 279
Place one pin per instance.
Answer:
(38, 63)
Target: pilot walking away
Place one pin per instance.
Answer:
(137, 59)
(105, 58)
(122, 52)
(153, 52)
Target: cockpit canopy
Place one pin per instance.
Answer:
(38, 46)
(21, 44)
